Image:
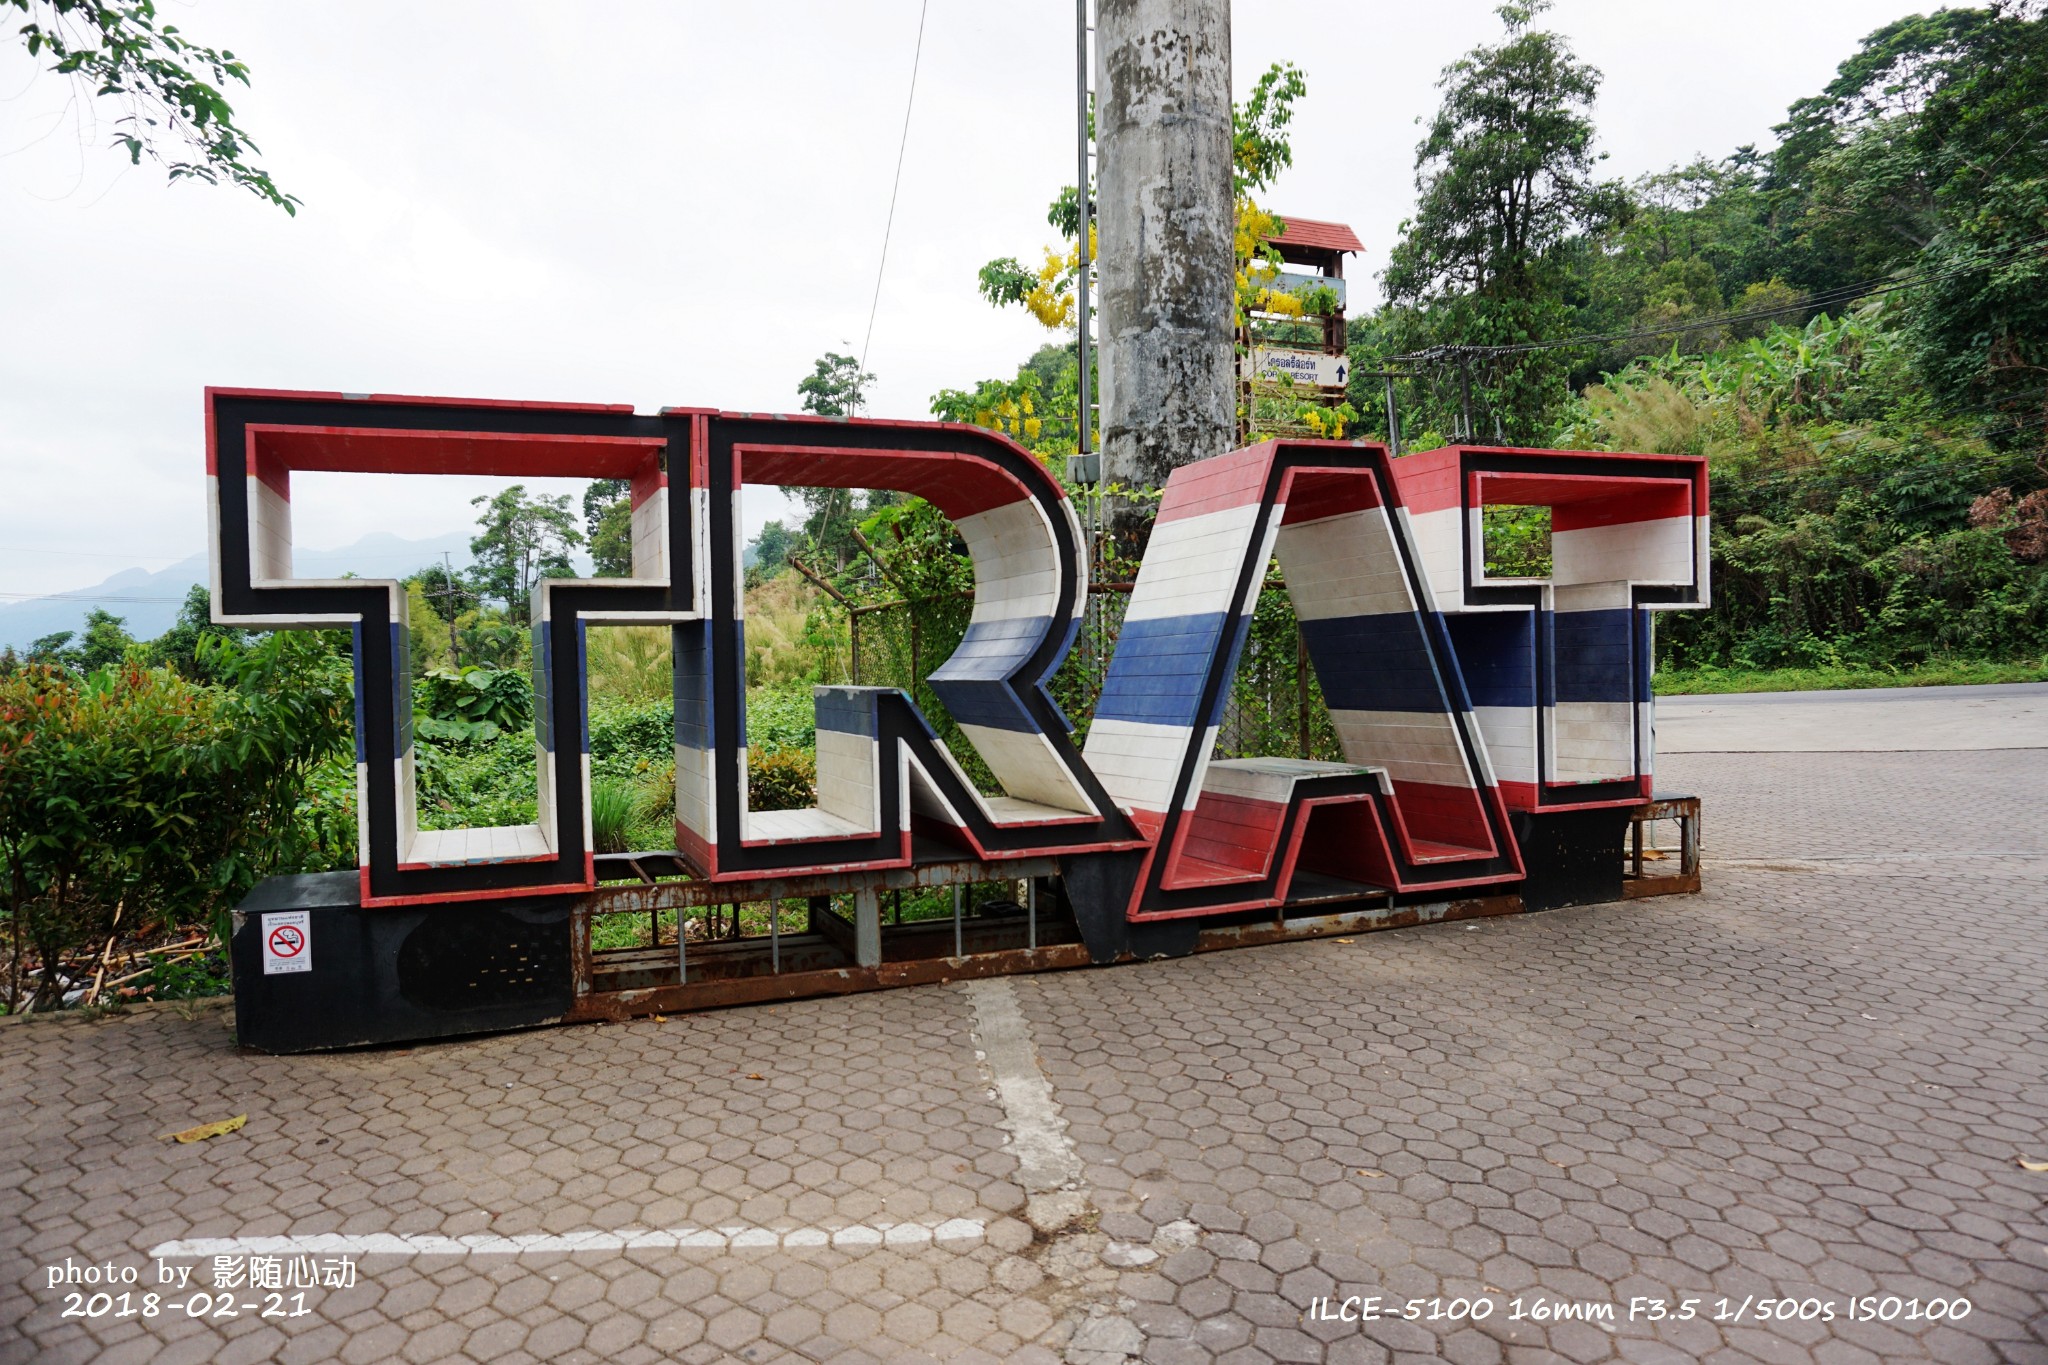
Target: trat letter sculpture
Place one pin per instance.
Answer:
(1496, 733)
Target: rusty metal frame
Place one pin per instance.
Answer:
(682, 998)
(1685, 810)
(651, 895)
(1281, 928)
(1363, 921)
(922, 953)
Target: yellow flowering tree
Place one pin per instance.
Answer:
(1047, 293)
(1006, 405)
(1260, 150)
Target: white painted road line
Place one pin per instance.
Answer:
(953, 1234)
(1057, 1202)
(1046, 1159)
(1048, 1167)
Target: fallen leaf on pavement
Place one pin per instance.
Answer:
(755, 1076)
(209, 1130)
(1374, 1175)
(2027, 1165)
(1347, 940)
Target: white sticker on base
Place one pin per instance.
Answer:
(288, 942)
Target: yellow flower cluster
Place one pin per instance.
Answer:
(1327, 423)
(1012, 417)
(1278, 302)
(1257, 267)
(1254, 225)
(1051, 300)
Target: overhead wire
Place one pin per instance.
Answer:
(881, 265)
(895, 188)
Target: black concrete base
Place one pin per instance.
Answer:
(1572, 857)
(1099, 887)
(392, 975)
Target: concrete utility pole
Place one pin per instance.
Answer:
(1165, 229)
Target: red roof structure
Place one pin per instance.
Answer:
(1310, 234)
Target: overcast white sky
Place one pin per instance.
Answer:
(661, 204)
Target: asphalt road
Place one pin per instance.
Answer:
(1885, 719)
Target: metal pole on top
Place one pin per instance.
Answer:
(1081, 181)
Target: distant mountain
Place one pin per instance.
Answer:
(149, 602)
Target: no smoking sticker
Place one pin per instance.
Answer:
(287, 942)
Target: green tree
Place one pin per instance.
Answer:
(608, 521)
(1856, 188)
(1506, 177)
(167, 87)
(771, 549)
(1260, 150)
(1697, 245)
(1927, 155)
(521, 540)
(837, 388)
(445, 591)
(1981, 325)
(179, 647)
(54, 648)
(1259, 147)
(106, 640)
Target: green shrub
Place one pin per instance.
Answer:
(781, 779)
(133, 795)
(615, 808)
(631, 738)
(474, 704)
(471, 785)
(189, 978)
(781, 718)
(632, 746)
(661, 794)
(1855, 526)
(327, 816)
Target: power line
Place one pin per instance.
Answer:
(881, 266)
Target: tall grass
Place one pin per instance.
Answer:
(792, 639)
(629, 663)
(615, 808)
(791, 642)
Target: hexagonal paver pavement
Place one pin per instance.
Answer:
(1809, 1085)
